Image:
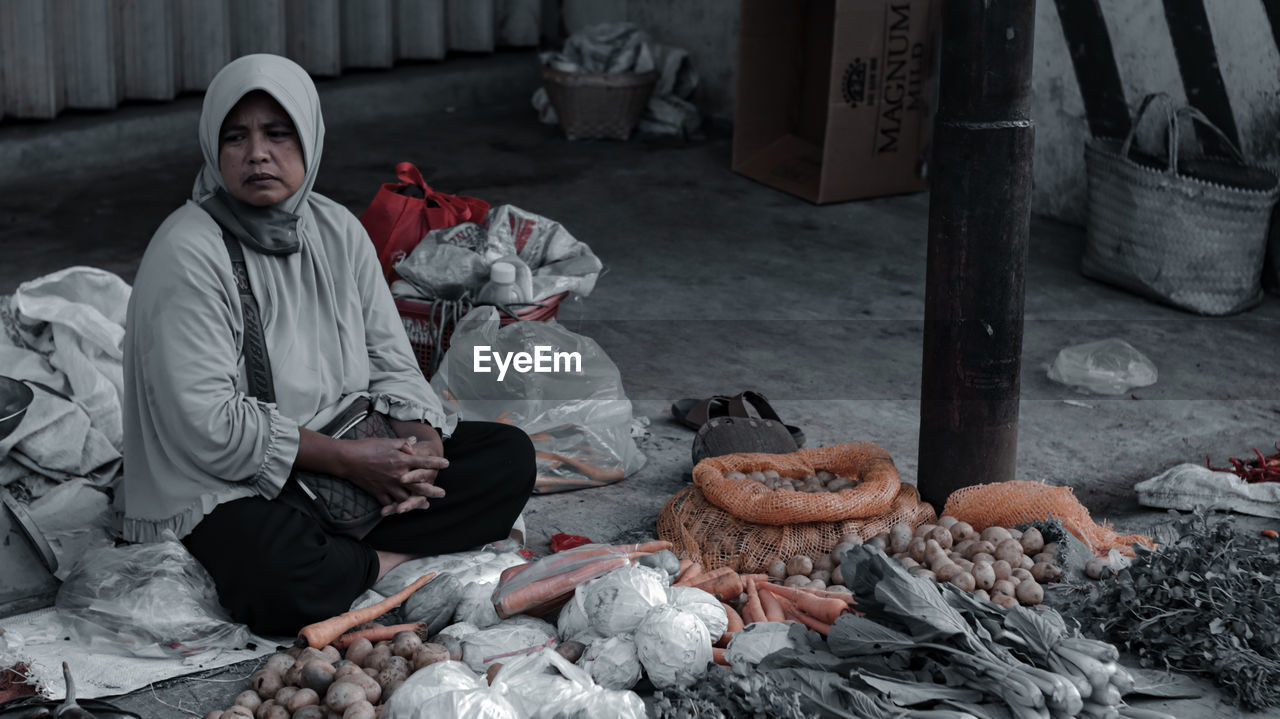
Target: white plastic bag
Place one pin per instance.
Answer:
(576, 411)
(545, 685)
(674, 647)
(703, 605)
(481, 565)
(573, 623)
(617, 602)
(613, 663)
(447, 690)
(146, 600)
(1110, 366)
(1188, 486)
(505, 640)
(476, 605)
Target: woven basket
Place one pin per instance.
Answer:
(598, 105)
(1190, 232)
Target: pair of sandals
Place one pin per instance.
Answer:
(693, 413)
(732, 425)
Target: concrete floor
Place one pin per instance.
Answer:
(717, 284)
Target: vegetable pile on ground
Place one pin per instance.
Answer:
(921, 649)
(1207, 603)
(1255, 469)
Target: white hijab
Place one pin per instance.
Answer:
(292, 87)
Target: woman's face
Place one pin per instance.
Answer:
(258, 151)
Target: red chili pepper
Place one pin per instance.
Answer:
(1253, 471)
(562, 541)
(1271, 533)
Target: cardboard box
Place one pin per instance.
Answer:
(835, 97)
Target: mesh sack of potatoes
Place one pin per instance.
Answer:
(1008, 504)
(700, 530)
(868, 467)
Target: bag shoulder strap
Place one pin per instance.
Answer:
(256, 362)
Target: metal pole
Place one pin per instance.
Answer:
(979, 219)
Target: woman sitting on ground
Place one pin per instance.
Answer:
(208, 460)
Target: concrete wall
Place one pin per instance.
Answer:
(1094, 62)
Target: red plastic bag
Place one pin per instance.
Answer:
(562, 541)
(403, 212)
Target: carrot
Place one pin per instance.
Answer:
(772, 607)
(684, 567)
(556, 586)
(718, 655)
(817, 625)
(570, 556)
(735, 619)
(838, 596)
(761, 578)
(380, 633)
(821, 608)
(753, 610)
(320, 634)
(690, 575)
(723, 582)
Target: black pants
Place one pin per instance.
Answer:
(277, 570)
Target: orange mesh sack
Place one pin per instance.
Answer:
(1009, 503)
(867, 463)
(697, 529)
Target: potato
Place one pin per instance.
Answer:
(839, 589)
(264, 707)
(1021, 575)
(841, 484)
(1002, 569)
(1045, 572)
(431, 653)
(405, 644)
(908, 562)
(372, 689)
(347, 670)
(799, 564)
(303, 698)
(215, 714)
(1004, 601)
(963, 548)
(963, 532)
(359, 650)
(1029, 593)
(837, 578)
(777, 569)
(308, 654)
(823, 575)
(397, 664)
(1003, 586)
(979, 547)
(266, 683)
(330, 653)
(293, 677)
(343, 694)
(283, 696)
(941, 536)
(980, 557)
(981, 594)
(964, 581)
(1014, 532)
(379, 656)
(947, 521)
(995, 535)
(916, 549)
(965, 564)
(275, 711)
(953, 556)
(571, 650)
(879, 542)
(313, 711)
(249, 699)
(235, 712)
(1026, 562)
(1044, 557)
(360, 710)
(899, 537)
(852, 538)
(934, 556)
(1051, 548)
(823, 563)
(279, 663)
(816, 584)
(945, 572)
(453, 645)
(492, 672)
(922, 573)
(796, 580)
(923, 530)
(1032, 541)
(317, 675)
(984, 576)
(1098, 567)
(1009, 550)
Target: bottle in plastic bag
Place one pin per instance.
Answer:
(501, 287)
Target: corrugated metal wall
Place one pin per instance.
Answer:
(95, 54)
